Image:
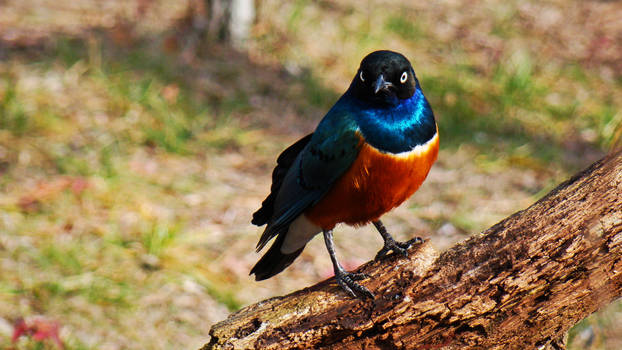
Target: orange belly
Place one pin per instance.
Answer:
(375, 183)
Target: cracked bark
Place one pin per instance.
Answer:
(521, 284)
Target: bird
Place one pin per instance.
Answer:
(369, 153)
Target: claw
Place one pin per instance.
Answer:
(397, 247)
(346, 281)
(345, 287)
(359, 276)
(392, 245)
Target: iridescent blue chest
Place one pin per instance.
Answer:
(398, 128)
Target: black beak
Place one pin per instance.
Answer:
(381, 84)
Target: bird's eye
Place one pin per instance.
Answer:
(361, 76)
(404, 77)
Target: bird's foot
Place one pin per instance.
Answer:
(346, 281)
(398, 247)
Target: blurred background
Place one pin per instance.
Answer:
(137, 138)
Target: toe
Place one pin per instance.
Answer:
(366, 293)
(416, 240)
(409, 243)
(347, 288)
(382, 253)
(361, 290)
(359, 276)
(403, 251)
(346, 281)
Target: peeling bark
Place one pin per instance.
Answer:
(521, 284)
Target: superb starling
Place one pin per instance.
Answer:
(371, 151)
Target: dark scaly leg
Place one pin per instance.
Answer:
(344, 278)
(391, 244)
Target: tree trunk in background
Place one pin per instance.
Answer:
(521, 284)
(229, 20)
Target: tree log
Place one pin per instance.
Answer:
(521, 284)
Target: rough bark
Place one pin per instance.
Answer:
(521, 284)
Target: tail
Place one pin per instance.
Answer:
(274, 261)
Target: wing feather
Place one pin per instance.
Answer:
(283, 163)
(318, 160)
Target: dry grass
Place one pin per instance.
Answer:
(131, 160)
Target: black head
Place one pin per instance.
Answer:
(385, 77)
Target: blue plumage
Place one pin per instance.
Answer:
(385, 108)
(397, 128)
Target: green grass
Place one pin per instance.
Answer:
(12, 116)
(174, 153)
(119, 109)
(405, 27)
(316, 93)
(157, 237)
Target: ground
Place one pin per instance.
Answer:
(132, 155)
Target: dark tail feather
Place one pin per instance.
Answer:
(274, 261)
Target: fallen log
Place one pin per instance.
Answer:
(521, 284)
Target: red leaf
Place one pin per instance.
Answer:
(39, 329)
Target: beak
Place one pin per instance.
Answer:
(381, 84)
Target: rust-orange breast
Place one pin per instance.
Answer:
(375, 183)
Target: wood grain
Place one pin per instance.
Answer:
(520, 284)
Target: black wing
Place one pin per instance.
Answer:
(283, 163)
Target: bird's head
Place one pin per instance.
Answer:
(384, 78)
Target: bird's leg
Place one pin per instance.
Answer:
(344, 278)
(391, 244)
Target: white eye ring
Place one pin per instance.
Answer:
(404, 77)
(361, 76)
